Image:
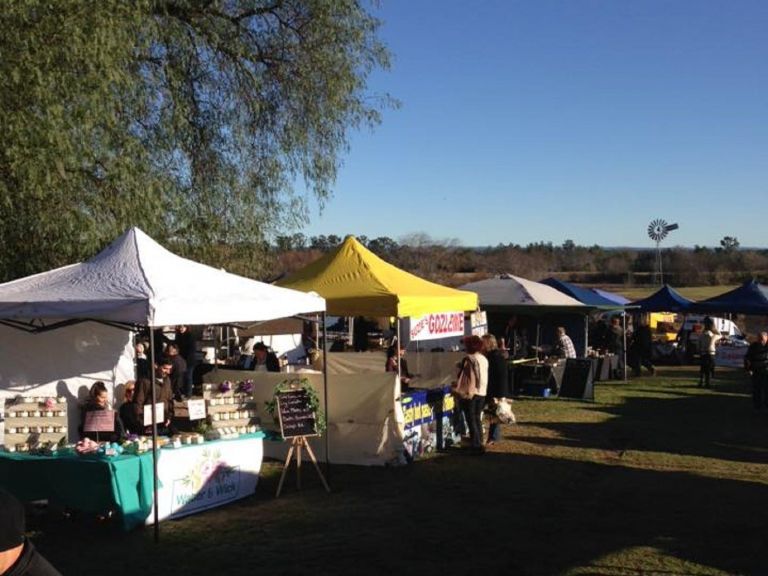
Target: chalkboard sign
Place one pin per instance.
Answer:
(297, 418)
(577, 379)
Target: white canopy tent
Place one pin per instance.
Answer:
(508, 294)
(512, 292)
(136, 282)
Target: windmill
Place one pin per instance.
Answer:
(657, 231)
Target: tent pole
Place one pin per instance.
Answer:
(154, 440)
(325, 396)
(624, 351)
(538, 339)
(586, 335)
(397, 351)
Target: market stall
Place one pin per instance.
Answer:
(505, 297)
(133, 283)
(356, 282)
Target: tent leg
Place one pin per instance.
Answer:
(325, 396)
(154, 441)
(586, 335)
(397, 349)
(624, 351)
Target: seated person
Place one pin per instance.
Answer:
(391, 364)
(129, 411)
(97, 400)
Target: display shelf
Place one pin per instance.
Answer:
(34, 420)
(230, 409)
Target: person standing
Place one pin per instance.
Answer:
(391, 365)
(564, 346)
(756, 363)
(472, 408)
(185, 340)
(163, 394)
(178, 371)
(18, 556)
(707, 346)
(515, 339)
(615, 345)
(143, 366)
(498, 384)
(641, 349)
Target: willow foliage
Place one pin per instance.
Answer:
(191, 119)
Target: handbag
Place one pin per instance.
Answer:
(465, 386)
(504, 412)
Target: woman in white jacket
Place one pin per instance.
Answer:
(473, 407)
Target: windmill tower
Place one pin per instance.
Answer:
(657, 231)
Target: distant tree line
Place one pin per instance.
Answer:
(448, 262)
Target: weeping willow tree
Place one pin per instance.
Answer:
(193, 119)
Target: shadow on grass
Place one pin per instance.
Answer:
(717, 422)
(454, 514)
(509, 511)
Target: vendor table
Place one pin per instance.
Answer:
(429, 416)
(88, 483)
(203, 476)
(191, 479)
(534, 379)
(605, 367)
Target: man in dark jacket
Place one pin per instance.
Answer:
(185, 340)
(163, 393)
(18, 556)
(756, 363)
(178, 372)
(264, 358)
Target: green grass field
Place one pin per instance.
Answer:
(656, 476)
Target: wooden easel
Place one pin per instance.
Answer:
(296, 443)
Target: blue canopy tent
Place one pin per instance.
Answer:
(749, 298)
(583, 295)
(613, 297)
(665, 299)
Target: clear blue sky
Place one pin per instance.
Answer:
(545, 120)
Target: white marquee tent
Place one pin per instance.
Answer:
(136, 281)
(507, 292)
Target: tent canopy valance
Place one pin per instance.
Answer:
(136, 281)
(356, 282)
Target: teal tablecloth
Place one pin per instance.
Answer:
(91, 484)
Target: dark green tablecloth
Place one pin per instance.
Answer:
(88, 483)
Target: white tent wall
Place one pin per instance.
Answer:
(65, 362)
(365, 424)
(288, 345)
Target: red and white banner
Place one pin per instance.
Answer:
(434, 326)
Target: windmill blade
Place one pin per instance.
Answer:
(657, 229)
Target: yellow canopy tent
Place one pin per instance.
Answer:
(356, 282)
